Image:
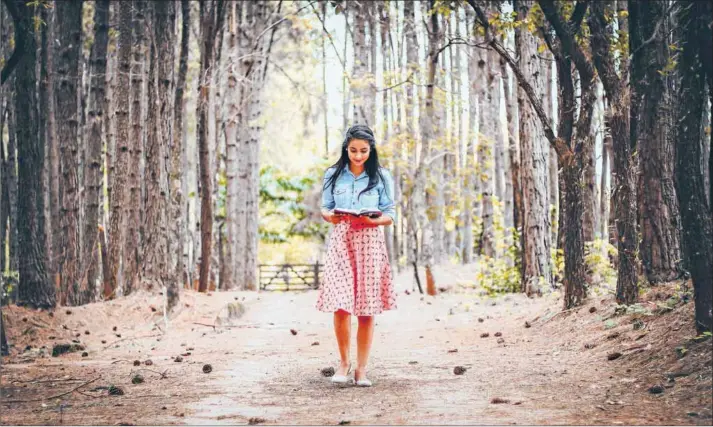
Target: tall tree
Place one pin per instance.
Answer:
(534, 158)
(232, 198)
(48, 135)
(412, 67)
(262, 37)
(69, 35)
(697, 236)
(134, 220)
(427, 128)
(178, 204)
(488, 113)
(211, 16)
(35, 288)
(469, 174)
(160, 121)
(120, 195)
(515, 209)
(94, 176)
(651, 132)
(617, 90)
(12, 186)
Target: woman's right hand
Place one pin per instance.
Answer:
(330, 216)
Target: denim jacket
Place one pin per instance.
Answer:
(347, 189)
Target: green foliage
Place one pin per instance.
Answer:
(8, 286)
(557, 260)
(609, 324)
(498, 275)
(638, 309)
(596, 257)
(282, 205)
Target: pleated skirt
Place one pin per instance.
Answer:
(357, 274)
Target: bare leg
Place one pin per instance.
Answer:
(365, 335)
(342, 329)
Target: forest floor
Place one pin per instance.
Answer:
(538, 365)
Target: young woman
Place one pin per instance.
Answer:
(357, 276)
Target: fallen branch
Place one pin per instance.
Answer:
(560, 312)
(90, 395)
(52, 397)
(163, 374)
(204, 324)
(45, 381)
(131, 338)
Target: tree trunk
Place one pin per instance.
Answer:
(4, 348)
(178, 203)
(383, 19)
(697, 236)
(5, 107)
(325, 107)
(13, 188)
(412, 67)
(371, 49)
(232, 197)
(361, 101)
(439, 147)
(534, 156)
(706, 145)
(574, 267)
(210, 23)
(69, 36)
(35, 288)
(658, 208)
(346, 82)
(484, 149)
(469, 173)
(498, 138)
(427, 127)
(94, 176)
(625, 193)
(110, 111)
(217, 154)
(47, 134)
(260, 20)
(120, 195)
(134, 219)
(165, 40)
(553, 168)
(456, 168)
(513, 203)
(604, 183)
(589, 194)
(159, 122)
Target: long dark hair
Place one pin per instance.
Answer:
(372, 166)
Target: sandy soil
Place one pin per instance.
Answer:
(266, 366)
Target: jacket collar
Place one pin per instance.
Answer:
(361, 175)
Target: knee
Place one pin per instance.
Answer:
(341, 314)
(366, 320)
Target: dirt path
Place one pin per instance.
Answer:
(262, 373)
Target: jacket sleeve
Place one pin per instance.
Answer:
(387, 204)
(327, 196)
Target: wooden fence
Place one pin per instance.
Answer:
(290, 277)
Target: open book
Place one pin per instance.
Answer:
(373, 213)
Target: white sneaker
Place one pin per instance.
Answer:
(364, 382)
(342, 379)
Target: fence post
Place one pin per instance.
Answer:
(259, 277)
(316, 275)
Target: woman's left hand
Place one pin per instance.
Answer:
(364, 221)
